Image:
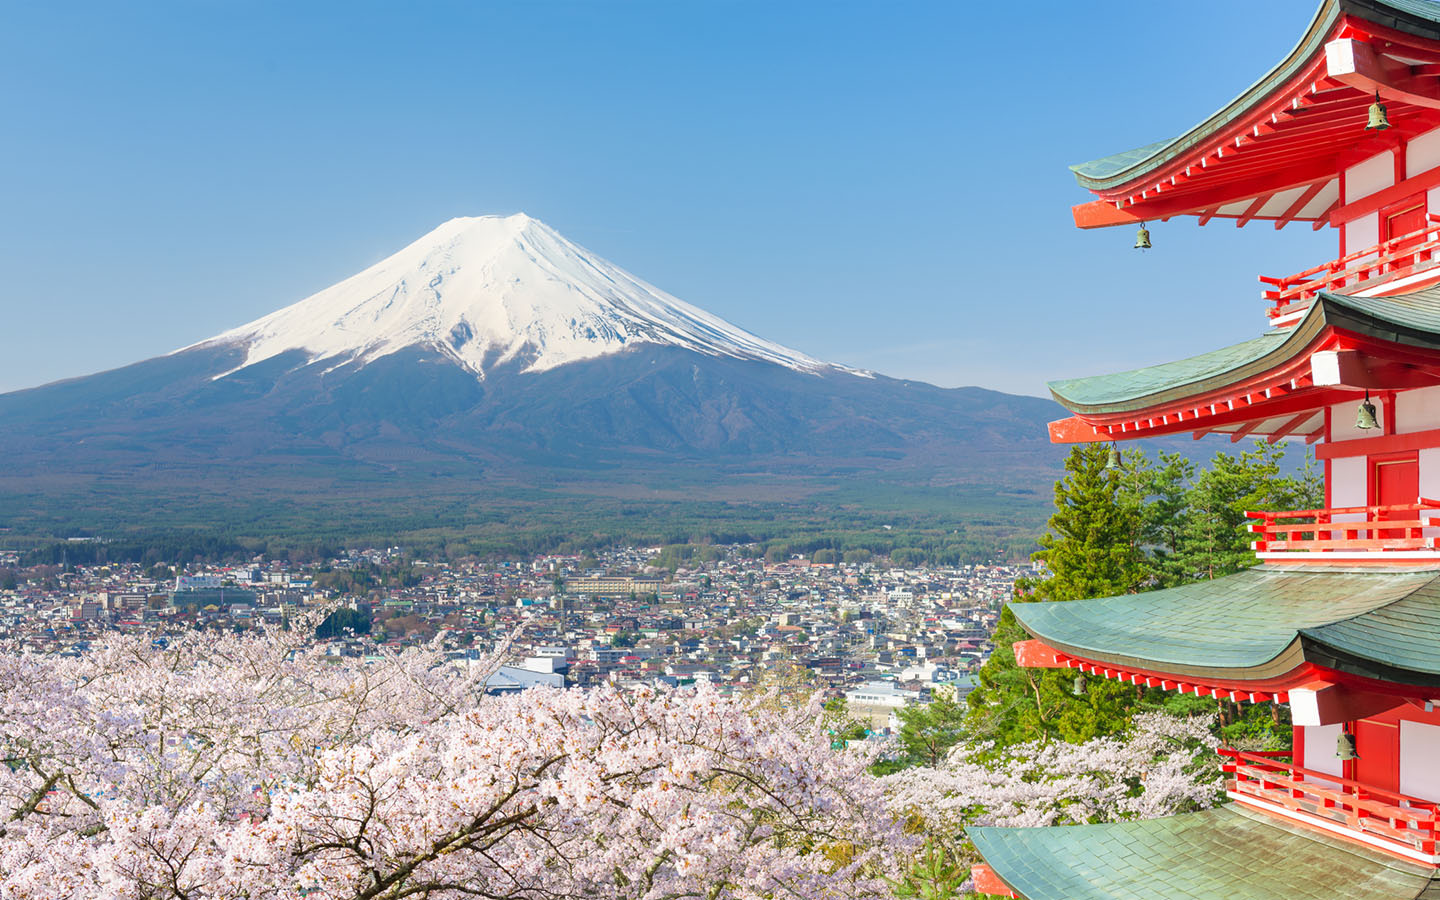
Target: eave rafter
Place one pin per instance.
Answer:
(1036, 654)
(1314, 122)
(1317, 696)
(1334, 368)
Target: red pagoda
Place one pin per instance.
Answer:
(1341, 618)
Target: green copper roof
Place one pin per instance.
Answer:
(1194, 373)
(1260, 623)
(1226, 853)
(1419, 17)
(1412, 319)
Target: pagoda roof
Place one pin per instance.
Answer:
(1409, 320)
(1418, 17)
(1259, 625)
(1218, 853)
(1274, 152)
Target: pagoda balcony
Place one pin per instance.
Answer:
(1407, 261)
(1398, 823)
(1352, 533)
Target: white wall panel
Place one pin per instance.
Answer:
(1417, 410)
(1419, 760)
(1430, 483)
(1362, 232)
(1422, 153)
(1374, 174)
(1320, 749)
(1349, 482)
(1342, 419)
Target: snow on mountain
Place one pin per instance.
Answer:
(497, 289)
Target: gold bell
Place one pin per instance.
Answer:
(1112, 463)
(1079, 688)
(1379, 121)
(1345, 746)
(1142, 238)
(1365, 415)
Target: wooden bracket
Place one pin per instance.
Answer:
(1327, 703)
(1356, 64)
(1035, 654)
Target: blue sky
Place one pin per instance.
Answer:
(879, 184)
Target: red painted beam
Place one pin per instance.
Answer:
(1244, 430)
(1101, 214)
(1356, 63)
(1075, 430)
(1322, 702)
(988, 883)
(1252, 209)
(1231, 191)
(1034, 654)
(1393, 194)
(1385, 443)
(1293, 209)
(1284, 430)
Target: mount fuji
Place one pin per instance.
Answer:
(493, 352)
(491, 292)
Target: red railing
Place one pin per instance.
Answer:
(1390, 817)
(1385, 261)
(1374, 529)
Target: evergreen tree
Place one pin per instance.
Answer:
(1092, 549)
(1214, 539)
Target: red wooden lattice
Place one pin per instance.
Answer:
(1396, 527)
(1394, 258)
(1389, 817)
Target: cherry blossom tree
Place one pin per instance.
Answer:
(250, 766)
(1167, 764)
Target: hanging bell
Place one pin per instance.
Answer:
(1365, 415)
(1079, 687)
(1112, 463)
(1379, 121)
(1142, 238)
(1345, 747)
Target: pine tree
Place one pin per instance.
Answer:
(1092, 549)
(1215, 540)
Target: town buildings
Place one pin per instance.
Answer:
(1341, 621)
(736, 622)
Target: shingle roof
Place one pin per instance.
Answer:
(1260, 623)
(1419, 17)
(1219, 854)
(1411, 319)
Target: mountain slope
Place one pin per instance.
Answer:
(492, 291)
(493, 355)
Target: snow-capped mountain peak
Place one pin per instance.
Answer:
(491, 290)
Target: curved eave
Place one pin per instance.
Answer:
(1110, 176)
(1228, 851)
(1119, 170)
(1408, 320)
(1258, 626)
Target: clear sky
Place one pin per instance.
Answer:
(879, 184)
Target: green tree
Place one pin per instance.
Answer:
(929, 730)
(337, 623)
(1093, 548)
(1214, 538)
(841, 725)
